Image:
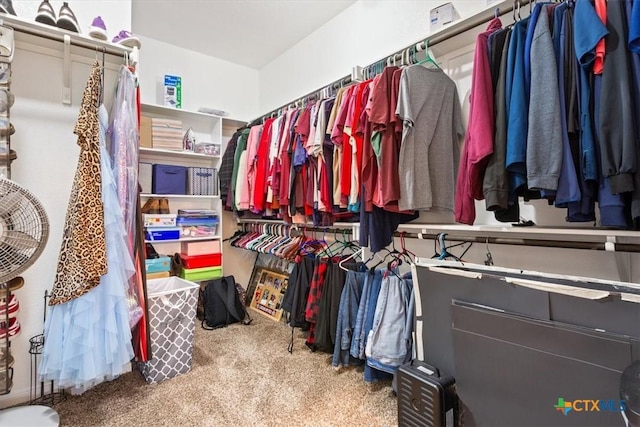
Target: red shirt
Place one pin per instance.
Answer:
(262, 167)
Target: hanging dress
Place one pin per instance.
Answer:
(83, 256)
(88, 339)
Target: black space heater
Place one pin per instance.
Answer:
(425, 397)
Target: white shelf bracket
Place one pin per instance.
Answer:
(623, 259)
(66, 71)
(355, 232)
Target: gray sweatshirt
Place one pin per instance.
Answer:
(544, 137)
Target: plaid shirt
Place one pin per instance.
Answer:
(315, 290)
(226, 167)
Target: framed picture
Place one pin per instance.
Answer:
(269, 289)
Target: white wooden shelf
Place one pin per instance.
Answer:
(556, 234)
(179, 196)
(182, 153)
(185, 239)
(176, 112)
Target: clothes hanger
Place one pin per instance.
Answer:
(428, 59)
(359, 252)
(410, 256)
(489, 260)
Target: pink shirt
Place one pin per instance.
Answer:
(248, 185)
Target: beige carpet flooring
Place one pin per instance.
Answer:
(241, 376)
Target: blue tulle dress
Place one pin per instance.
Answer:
(88, 340)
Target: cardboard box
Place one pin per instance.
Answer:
(200, 248)
(159, 220)
(145, 132)
(172, 91)
(161, 275)
(201, 274)
(442, 15)
(158, 265)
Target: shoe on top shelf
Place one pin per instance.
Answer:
(4, 160)
(12, 330)
(98, 30)
(6, 6)
(46, 14)
(13, 284)
(6, 100)
(67, 20)
(6, 128)
(12, 306)
(125, 38)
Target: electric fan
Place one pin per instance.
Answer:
(24, 229)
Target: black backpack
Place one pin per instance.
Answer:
(222, 305)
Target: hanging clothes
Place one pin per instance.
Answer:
(88, 339)
(430, 109)
(83, 255)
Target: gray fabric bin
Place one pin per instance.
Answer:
(172, 313)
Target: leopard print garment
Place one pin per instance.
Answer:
(83, 256)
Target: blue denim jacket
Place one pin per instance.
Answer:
(389, 344)
(347, 314)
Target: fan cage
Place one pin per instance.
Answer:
(24, 229)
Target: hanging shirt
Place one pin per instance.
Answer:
(248, 178)
(257, 203)
(598, 63)
(429, 106)
(634, 27)
(382, 117)
(617, 131)
(517, 101)
(226, 167)
(478, 145)
(568, 187)
(544, 137)
(241, 147)
(274, 148)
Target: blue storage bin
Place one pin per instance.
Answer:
(169, 179)
(158, 265)
(163, 233)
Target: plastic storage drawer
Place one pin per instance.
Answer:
(169, 179)
(201, 274)
(200, 261)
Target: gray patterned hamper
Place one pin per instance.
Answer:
(172, 313)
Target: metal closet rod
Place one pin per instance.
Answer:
(595, 246)
(440, 37)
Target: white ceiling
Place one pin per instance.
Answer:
(247, 32)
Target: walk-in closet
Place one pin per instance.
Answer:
(320, 212)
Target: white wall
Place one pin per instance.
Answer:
(116, 14)
(364, 33)
(206, 81)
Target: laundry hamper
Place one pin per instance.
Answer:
(172, 313)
